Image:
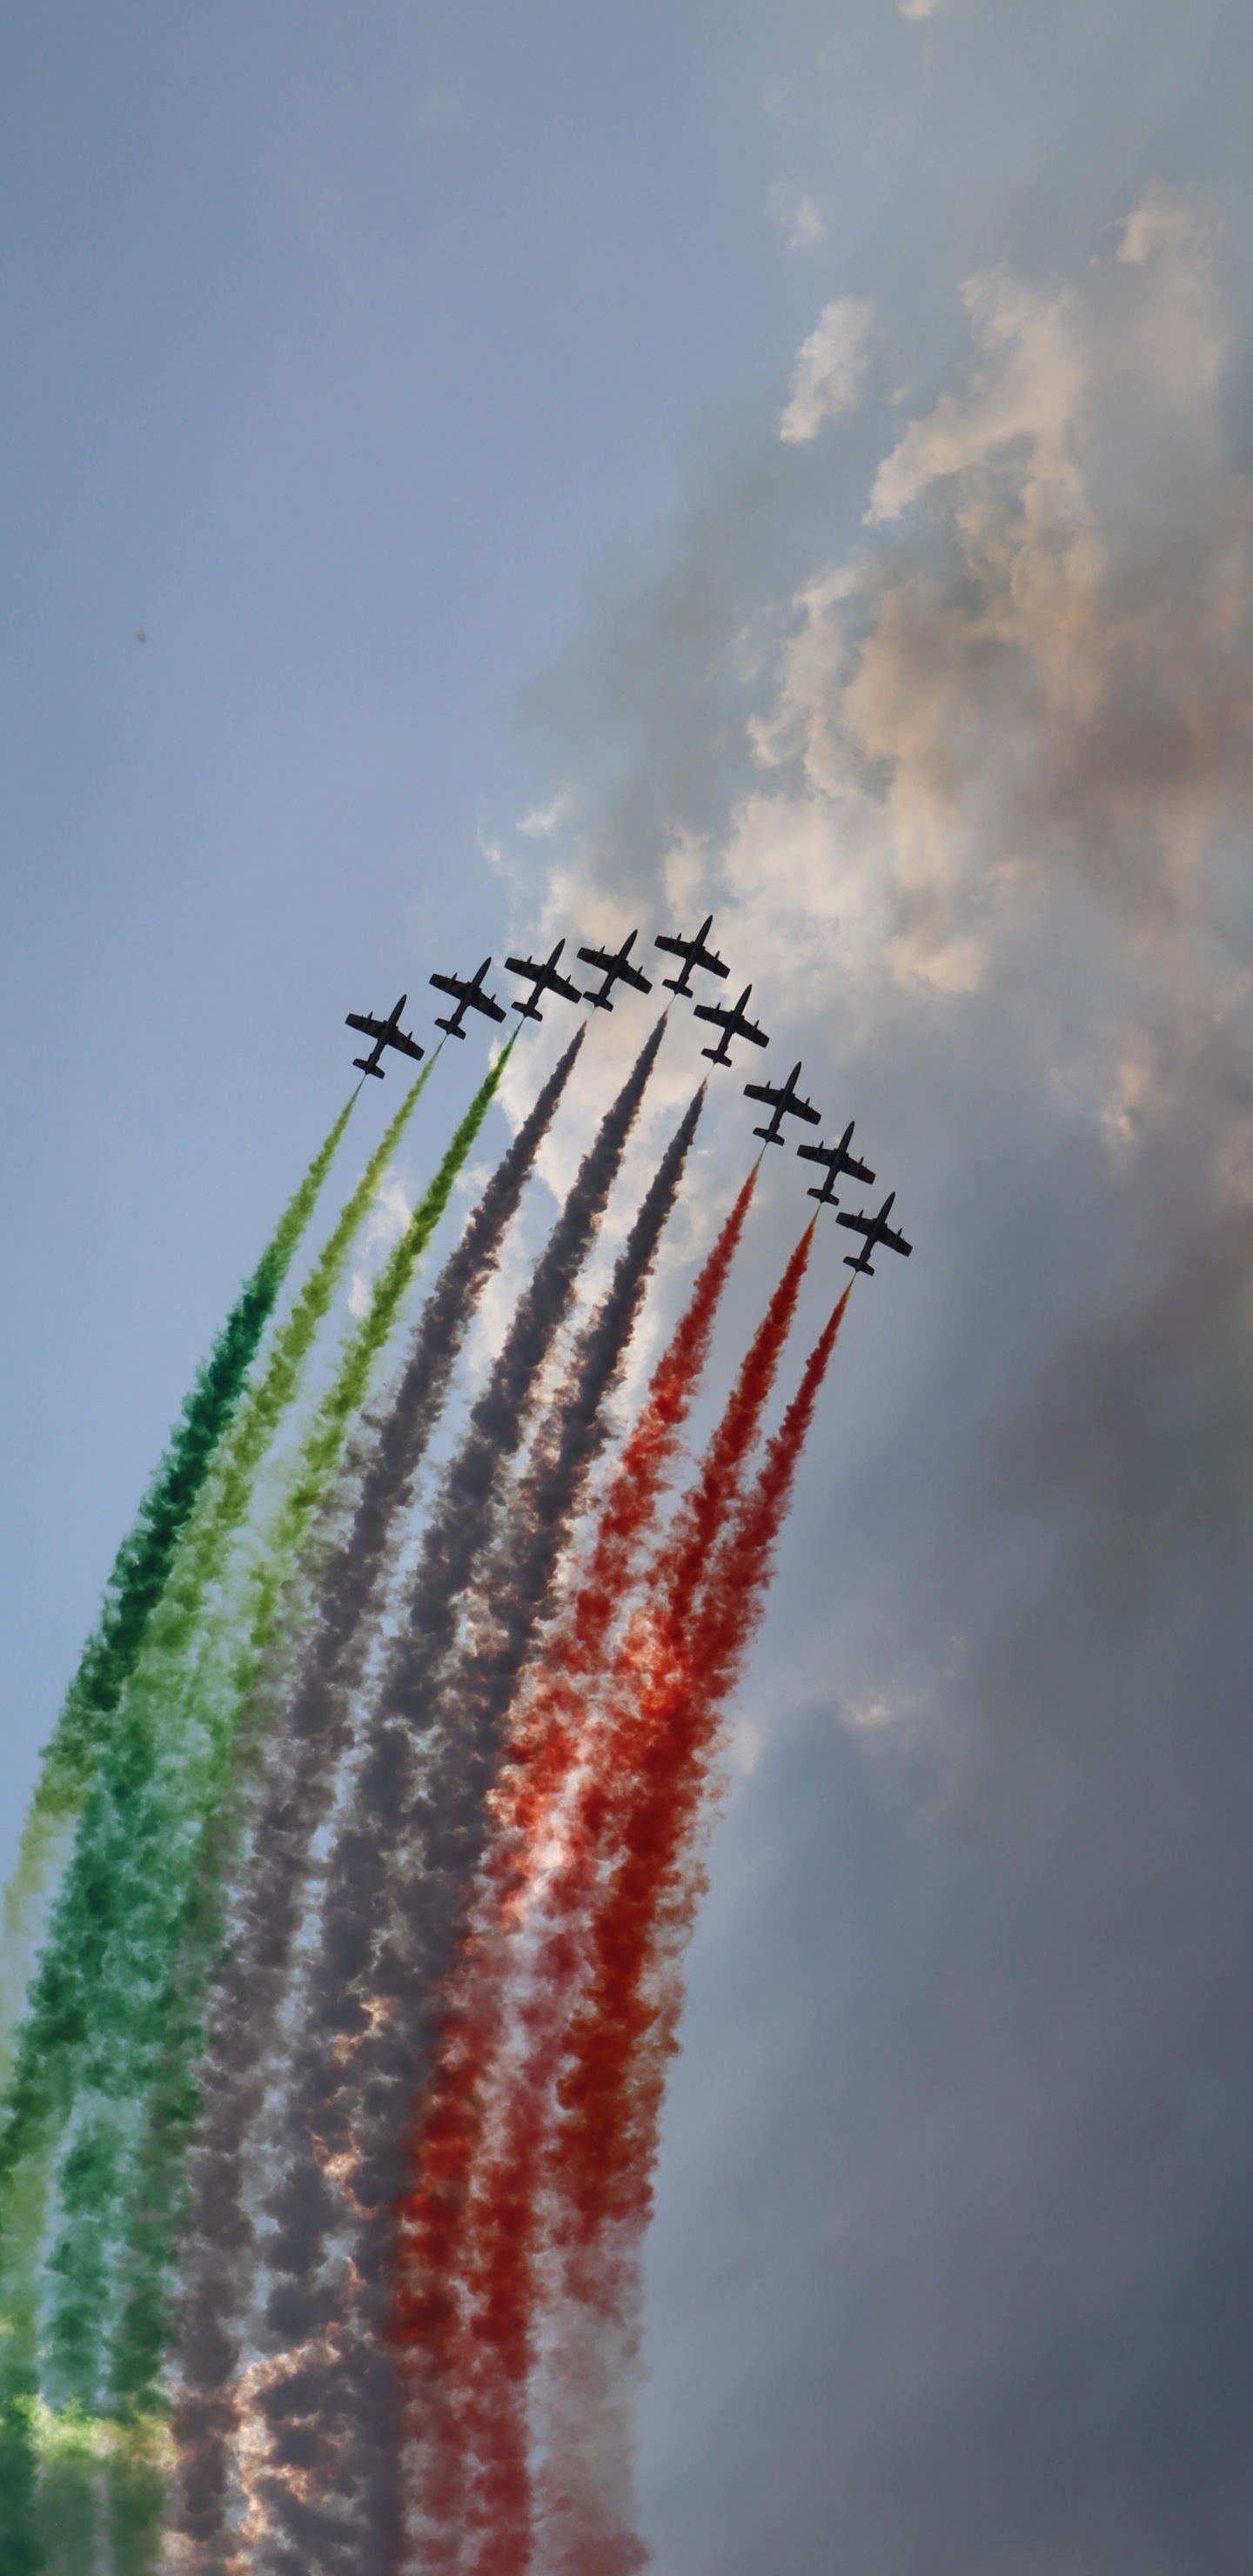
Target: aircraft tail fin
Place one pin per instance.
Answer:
(364, 1065)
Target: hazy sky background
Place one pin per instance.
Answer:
(581, 419)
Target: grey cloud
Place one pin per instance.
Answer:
(954, 2243)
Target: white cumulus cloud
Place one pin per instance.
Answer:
(830, 370)
(544, 820)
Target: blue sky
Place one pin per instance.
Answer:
(411, 379)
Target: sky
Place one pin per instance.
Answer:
(576, 468)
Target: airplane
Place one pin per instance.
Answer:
(876, 1230)
(837, 1159)
(544, 979)
(732, 1024)
(693, 953)
(780, 1103)
(385, 1033)
(614, 969)
(469, 997)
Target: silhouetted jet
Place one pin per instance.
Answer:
(385, 1033)
(544, 979)
(876, 1230)
(615, 970)
(468, 997)
(732, 1023)
(693, 953)
(781, 1104)
(837, 1159)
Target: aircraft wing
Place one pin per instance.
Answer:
(555, 983)
(763, 1091)
(407, 1046)
(860, 1224)
(897, 1241)
(802, 1109)
(369, 1028)
(749, 1029)
(454, 984)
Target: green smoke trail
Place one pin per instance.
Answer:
(118, 1843)
(126, 2013)
(135, 1585)
(133, 2238)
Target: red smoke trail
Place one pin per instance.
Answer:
(468, 2288)
(541, 1760)
(611, 2052)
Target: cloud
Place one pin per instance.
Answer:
(544, 820)
(798, 215)
(829, 372)
(384, 1226)
(919, 8)
(968, 795)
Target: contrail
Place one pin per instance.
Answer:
(299, 2408)
(470, 2243)
(117, 1883)
(135, 1585)
(610, 2080)
(311, 1734)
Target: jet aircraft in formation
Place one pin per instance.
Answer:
(733, 1022)
(615, 970)
(782, 1103)
(876, 1231)
(837, 1159)
(469, 996)
(544, 979)
(385, 1033)
(616, 966)
(693, 953)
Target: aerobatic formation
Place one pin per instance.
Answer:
(782, 1100)
(343, 1956)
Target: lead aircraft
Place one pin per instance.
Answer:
(385, 1033)
(469, 996)
(733, 1024)
(876, 1230)
(693, 953)
(544, 979)
(837, 1159)
(615, 971)
(782, 1103)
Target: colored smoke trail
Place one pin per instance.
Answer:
(120, 1881)
(306, 1744)
(310, 2410)
(465, 1721)
(614, 2048)
(471, 2223)
(135, 2223)
(572, 1670)
(135, 1585)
